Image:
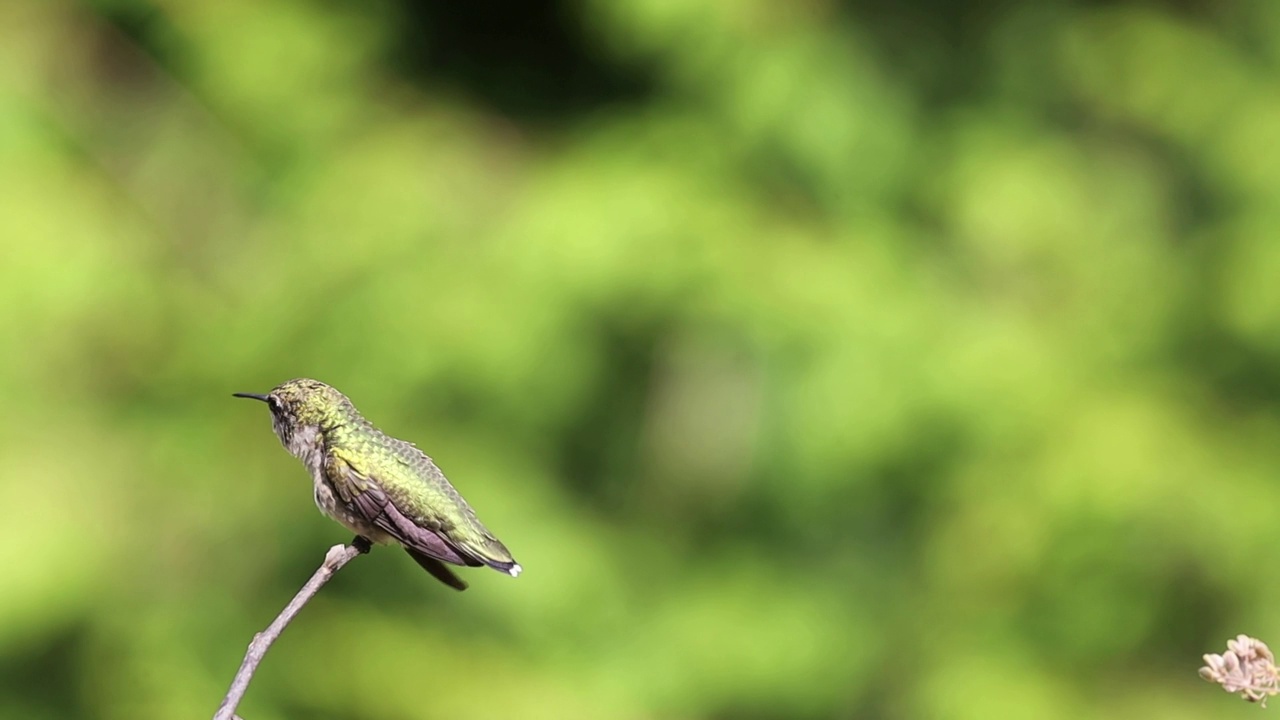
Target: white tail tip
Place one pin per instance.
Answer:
(514, 571)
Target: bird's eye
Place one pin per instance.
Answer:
(274, 403)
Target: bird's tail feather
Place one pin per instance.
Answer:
(511, 568)
(437, 570)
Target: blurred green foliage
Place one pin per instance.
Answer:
(816, 359)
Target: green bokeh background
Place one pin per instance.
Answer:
(816, 359)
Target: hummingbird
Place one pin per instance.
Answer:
(383, 489)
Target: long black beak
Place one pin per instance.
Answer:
(255, 396)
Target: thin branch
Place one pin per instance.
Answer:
(337, 556)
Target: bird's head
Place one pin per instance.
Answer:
(301, 407)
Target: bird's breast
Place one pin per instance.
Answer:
(307, 445)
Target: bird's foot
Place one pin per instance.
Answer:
(362, 544)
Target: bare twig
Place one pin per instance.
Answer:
(337, 556)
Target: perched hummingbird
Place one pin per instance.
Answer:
(383, 489)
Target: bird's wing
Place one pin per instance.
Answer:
(461, 529)
(358, 490)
